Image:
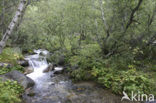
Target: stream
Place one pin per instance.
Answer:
(58, 88)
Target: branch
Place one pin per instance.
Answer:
(152, 40)
(152, 18)
(132, 14)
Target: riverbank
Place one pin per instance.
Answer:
(60, 88)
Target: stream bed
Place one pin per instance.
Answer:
(58, 88)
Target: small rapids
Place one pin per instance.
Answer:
(38, 63)
(58, 88)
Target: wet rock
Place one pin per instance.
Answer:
(52, 83)
(29, 92)
(3, 78)
(23, 63)
(28, 70)
(52, 75)
(58, 70)
(49, 68)
(26, 98)
(42, 54)
(23, 80)
(151, 102)
(50, 99)
(6, 65)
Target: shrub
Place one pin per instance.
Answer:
(10, 92)
(80, 74)
(6, 70)
(118, 81)
(10, 55)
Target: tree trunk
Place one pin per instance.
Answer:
(15, 21)
(103, 15)
(2, 17)
(104, 21)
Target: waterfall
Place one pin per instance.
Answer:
(39, 63)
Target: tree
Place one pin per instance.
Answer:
(15, 22)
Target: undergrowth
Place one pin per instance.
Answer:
(10, 92)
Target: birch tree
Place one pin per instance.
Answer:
(14, 23)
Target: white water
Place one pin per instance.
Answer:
(38, 63)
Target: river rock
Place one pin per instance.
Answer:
(6, 65)
(23, 80)
(23, 63)
(151, 101)
(30, 92)
(49, 68)
(51, 83)
(28, 70)
(42, 54)
(26, 98)
(58, 70)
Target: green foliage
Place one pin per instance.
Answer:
(87, 57)
(118, 77)
(10, 92)
(10, 55)
(80, 74)
(119, 81)
(4, 70)
(7, 10)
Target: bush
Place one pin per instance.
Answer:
(118, 72)
(6, 70)
(11, 55)
(10, 92)
(87, 57)
(118, 81)
(80, 74)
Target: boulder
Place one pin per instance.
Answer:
(28, 70)
(49, 68)
(23, 63)
(23, 80)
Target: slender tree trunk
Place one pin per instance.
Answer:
(3, 28)
(104, 21)
(15, 21)
(2, 17)
(103, 15)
